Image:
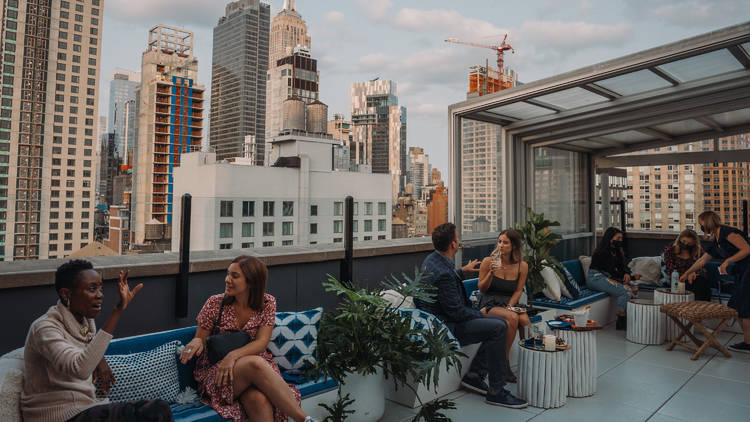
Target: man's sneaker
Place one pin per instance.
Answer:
(506, 399)
(741, 347)
(474, 383)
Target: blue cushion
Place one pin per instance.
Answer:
(294, 339)
(421, 320)
(576, 270)
(141, 343)
(145, 375)
(195, 412)
(587, 296)
(470, 285)
(571, 284)
(312, 387)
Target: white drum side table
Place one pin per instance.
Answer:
(543, 380)
(646, 323)
(581, 362)
(664, 295)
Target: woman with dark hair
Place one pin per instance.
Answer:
(502, 279)
(680, 256)
(731, 245)
(609, 273)
(246, 382)
(64, 355)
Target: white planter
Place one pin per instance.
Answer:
(368, 393)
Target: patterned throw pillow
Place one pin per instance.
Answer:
(571, 284)
(145, 375)
(294, 339)
(421, 320)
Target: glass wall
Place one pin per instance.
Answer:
(481, 178)
(561, 188)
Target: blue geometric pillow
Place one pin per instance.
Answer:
(294, 339)
(421, 320)
(145, 375)
(570, 282)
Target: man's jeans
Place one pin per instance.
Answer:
(491, 332)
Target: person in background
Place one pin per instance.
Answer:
(731, 245)
(502, 279)
(609, 273)
(64, 355)
(680, 256)
(466, 323)
(246, 383)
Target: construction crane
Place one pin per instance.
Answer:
(500, 49)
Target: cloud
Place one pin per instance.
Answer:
(152, 12)
(688, 12)
(376, 10)
(575, 34)
(448, 22)
(333, 16)
(430, 109)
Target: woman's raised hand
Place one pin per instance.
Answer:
(194, 348)
(126, 295)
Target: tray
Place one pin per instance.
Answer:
(591, 326)
(540, 347)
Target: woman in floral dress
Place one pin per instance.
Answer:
(246, 382)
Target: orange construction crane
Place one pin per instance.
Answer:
(500, 49)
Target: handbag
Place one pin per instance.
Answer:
(219, 345)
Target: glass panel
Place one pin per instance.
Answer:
(572, 98)
(634, 83)
(746, 46)
(521, 110)
(481, 178)
(561, 188)
(584, 143)
(705, 65)
(681, 127)
(629, 136)
(732, 118)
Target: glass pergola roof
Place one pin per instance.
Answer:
(693, 89)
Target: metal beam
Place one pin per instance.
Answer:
(741, 55)
(600, 90)
(707, 121)
(606, 141)
(655, 133)
(664, 75)
(490, 118)
(677, 158)
(542, 104)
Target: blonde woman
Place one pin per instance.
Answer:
(731, 245)
(680, 256)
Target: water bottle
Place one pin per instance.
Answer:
(474, 299)
(675, 281)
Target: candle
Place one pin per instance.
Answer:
(549, 343)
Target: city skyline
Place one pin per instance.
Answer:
(406, 43)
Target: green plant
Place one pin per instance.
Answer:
(538, 240)
(338, 412)
(365, 334)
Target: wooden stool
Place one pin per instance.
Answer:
(665, 295)
(646, 325)
(694, 313)
(543, 377)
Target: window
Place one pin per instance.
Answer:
(225, 230)
(368, 225)
(366, 238)
(381, 225)
(267, 229)
(287, 208)
(368, 208)
(268, 208)
(337, 240)
(355, 226)
(313, 210)
(355, 205)
(381, 237)
(248, 208)
(287, 228)
(267, 244)
(314, 228)
(248, 245)
(338, 208)
(381, 208)
(225, 246)
(226, 209)
(287, 242)
(248, 229)
(338, 226)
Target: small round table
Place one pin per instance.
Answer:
(646, 324)
(663, 296)
(581, 361)
(543, 380)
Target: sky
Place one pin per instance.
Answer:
(403, 40)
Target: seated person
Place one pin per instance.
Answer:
(466, 323)
(608, 273)
(680, 256)
(246, 383)
(64, 354)
(502, 278)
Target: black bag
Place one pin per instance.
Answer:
(219, 345)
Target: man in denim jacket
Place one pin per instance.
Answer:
(466, 323)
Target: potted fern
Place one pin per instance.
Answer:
(538, 241)
(365, 341)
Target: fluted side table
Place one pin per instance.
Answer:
(543, 380)
(581, 362)
(646, 323)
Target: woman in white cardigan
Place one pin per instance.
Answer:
(64, 355)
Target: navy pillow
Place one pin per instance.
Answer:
(294, 339)
(570, 282)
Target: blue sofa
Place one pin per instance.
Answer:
(197, 412)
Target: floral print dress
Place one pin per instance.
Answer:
(222, 398)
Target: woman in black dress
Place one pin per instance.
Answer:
(731, 245)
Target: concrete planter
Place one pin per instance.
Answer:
(368, 393)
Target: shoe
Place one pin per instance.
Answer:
(506, 399)
(741, 347)
(622, 322)
(473, 383)
(511, 377)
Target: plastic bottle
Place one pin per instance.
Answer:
(675, 281)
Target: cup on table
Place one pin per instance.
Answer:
(580, 318)
(549, 343)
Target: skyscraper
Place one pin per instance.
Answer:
(238, 84)
(51, 53)
(288, 30)
(725, 185)
(419, 169)
(121, 118)
(380, 124)
(170, 122)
